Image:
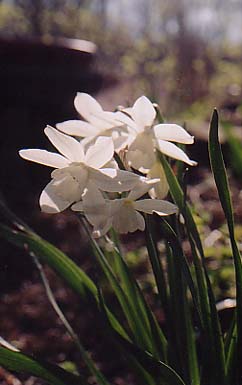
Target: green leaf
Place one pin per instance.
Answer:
(160, 371)
(140, 307)
(212, 326)
(235, 149)
(135, 322)
(173, 241)
(183, 347)
(157, 369)
(230, 350)
(54, 257)
(219, 171)
(156, 264)
(22, 363)
(179, 199)
(75, 277)
(220, 177)
(190, 344)
(212, 349)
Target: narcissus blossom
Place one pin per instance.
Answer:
(124, 214)
(145, 137)
(97, 122)
(76, 167)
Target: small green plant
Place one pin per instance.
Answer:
(112, 171)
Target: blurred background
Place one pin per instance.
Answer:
(185, 55)
(178, 53)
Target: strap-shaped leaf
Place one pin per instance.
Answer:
(221, 180)
(22, 363)
(161, 372)
(75, 277)
(171, 237)
(135, 322)
(156, 264)
(178, 197)
(211, 323)
(137, 301)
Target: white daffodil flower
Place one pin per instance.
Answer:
(98, 122)
(145, 137)
(76, 167)
(121, 214)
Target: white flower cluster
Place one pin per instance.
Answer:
(85, 170)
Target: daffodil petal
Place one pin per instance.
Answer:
(100, 153)
(142, 187)
(95, 209)
(128, 220)
(47, 158)
(127, 110)
(131, 125)
(66, 145)
(120, 180)
(91, 111)
(87, 142)
(141, 153)
(50, 202)
(77, 128)
(113, 180)
(75, 177)
(108, 119)
(173, 151)
(112, 164)
(94, 206)
(120, 142)
(172, 133)
(86, 105)
(101, 230)
(159, 207)
(143, 112)
(78, 206)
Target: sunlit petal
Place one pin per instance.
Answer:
(173, 133)
(91, 111)
(86, 105)
(175, 152)
(47, 158)
(50, 201)
(143, 112)
(100, 153)
(65, 144)
(77, 128)
(108, 120)
(159, 207)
